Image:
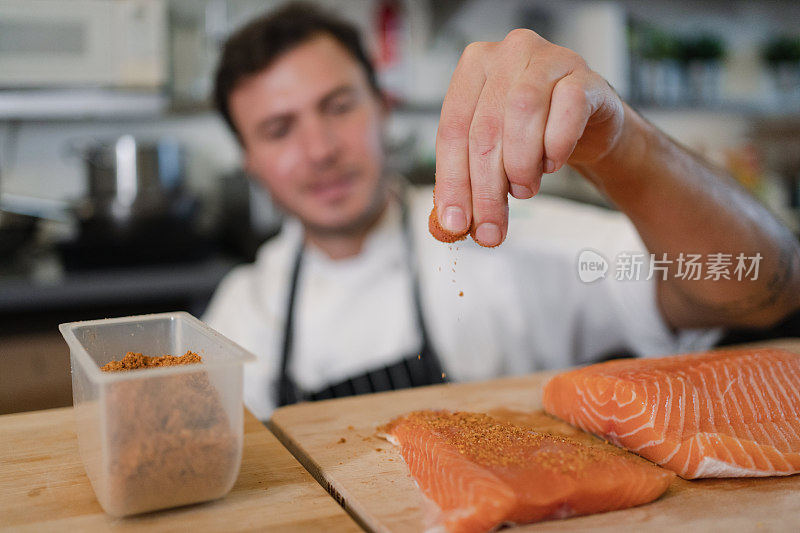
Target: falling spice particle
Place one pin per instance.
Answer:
(443, 375)
(419, 356)
(461, 293)
(440, 269)
(342, 440)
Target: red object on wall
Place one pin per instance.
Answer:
(389, 24)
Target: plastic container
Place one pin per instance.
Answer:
(157, 437)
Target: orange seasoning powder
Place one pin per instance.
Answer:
(170, 437)
(134, 361)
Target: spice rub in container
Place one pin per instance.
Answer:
(170, 438)
(156, 431)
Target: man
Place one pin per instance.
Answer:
(355, 296)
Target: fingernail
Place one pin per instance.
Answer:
(454, 220)
(521, 191)
(488, 234)
(549, 166)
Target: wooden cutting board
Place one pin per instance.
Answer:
(336, 441)
(43, 486)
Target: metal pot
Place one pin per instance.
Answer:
(15, 231)
(136, 210)
(129, 179)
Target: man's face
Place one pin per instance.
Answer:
(311, 129)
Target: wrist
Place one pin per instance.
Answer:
(628, 147)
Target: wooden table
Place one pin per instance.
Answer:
(336, 441)
(43, 486)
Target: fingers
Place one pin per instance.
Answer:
(489, 184)
(528, 105)
(488, 179)
(514, 110)
(570, 109)
(452, 192)
(526, 110)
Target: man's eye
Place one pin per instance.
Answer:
(275, 131)
(341, 105)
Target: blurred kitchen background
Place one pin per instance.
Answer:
(122, 192)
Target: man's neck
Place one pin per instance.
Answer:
(337, 246)
(341, 245)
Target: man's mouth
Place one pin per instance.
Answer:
(333, 189)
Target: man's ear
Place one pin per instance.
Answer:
(386, 103)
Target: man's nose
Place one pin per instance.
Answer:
(320, 141)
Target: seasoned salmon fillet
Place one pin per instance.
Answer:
(482, 472)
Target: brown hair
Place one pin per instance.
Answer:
(257, 45)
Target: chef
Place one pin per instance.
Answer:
(355, 296)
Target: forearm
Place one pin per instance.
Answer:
(680, 204)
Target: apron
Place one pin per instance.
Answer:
(413, 370)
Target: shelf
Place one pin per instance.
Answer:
(87, 104)
(418, 108)
(80, 104)
(752, 110)
(115, 286)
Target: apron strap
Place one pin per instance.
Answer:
(288, 392)
(411, 262)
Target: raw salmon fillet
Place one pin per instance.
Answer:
(482, 472)
(725, 413)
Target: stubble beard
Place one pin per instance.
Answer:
(361, 224)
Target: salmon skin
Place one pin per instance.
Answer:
(724, 413)
(482, 472)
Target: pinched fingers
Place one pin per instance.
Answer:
(513, 110)
(488, 179)
(452, 215)
(489, 184)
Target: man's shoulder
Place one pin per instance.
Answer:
(279, 246)
(249, 280)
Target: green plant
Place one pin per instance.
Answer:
(782, 49)
(705, 47)
(655, 44)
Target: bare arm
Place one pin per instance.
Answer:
(680, 203)
(523, 106)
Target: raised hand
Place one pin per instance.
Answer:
(514, 109)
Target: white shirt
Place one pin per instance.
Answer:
(514, 309)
